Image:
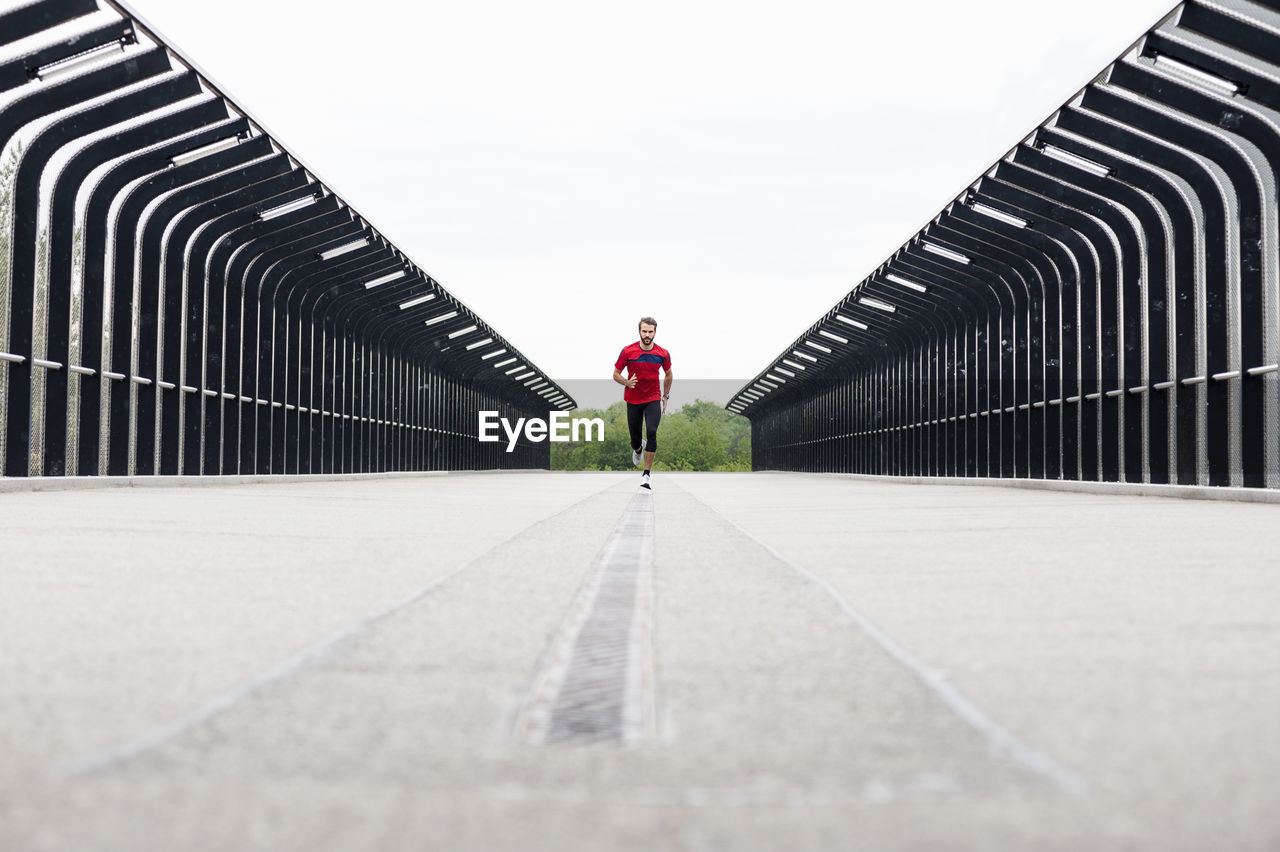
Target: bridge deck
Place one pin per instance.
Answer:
(555, 661)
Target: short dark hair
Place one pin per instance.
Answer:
(648, 321)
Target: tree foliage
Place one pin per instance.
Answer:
(699, 436)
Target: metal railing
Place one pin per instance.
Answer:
(181, 295)
(1102, 304)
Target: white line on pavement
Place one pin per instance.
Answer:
(106, 759)
(999, 737)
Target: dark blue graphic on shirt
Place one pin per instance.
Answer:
(648, 358)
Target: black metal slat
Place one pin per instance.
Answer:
(40, 149)
(45, 14)
(97, 232)
(61, 251)
(1249, 214)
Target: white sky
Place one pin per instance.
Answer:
(730, 168)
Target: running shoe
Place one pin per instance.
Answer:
(644, 481)
(637, 456)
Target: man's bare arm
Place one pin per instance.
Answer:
(618, 377)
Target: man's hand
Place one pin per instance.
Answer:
(617, 377)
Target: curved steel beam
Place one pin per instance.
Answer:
(17, 414)
(203, 226)
(1223, 132)
(166, 212)
(1216, 200)
(119, 147)
(269, 359)
(224, 237)
(35, 17)
(238, 255)
(136, 182)
(1141, 166)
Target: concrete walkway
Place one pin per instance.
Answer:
(556, 661)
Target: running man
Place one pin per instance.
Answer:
(642, 360)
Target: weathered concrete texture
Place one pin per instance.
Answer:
(1128, 644)
(122, 609)
(1136, 640)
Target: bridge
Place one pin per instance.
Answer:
(1004, 575)
(525, 660)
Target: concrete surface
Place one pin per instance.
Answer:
(837, 663)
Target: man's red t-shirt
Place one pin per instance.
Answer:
(643, 364)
